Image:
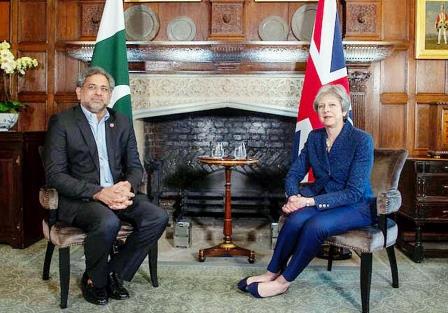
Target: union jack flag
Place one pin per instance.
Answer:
(325, 65)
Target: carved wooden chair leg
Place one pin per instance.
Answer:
(152, 260)
(393, 265)
(47, 261)
(64, 274)
(366, 279)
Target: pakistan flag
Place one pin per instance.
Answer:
(110, 54)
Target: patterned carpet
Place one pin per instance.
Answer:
(211, 287)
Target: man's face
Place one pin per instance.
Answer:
(95, 94)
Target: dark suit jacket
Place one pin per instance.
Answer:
(71, 157)
(342, 176)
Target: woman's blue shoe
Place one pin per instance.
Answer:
(242, 284)
(253, 289)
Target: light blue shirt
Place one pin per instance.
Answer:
(99, 133)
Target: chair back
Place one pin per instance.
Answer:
(387, 167)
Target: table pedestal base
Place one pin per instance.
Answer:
(226, 249)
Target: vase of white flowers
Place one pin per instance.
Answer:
(10, 68)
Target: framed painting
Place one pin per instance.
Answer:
(431, 29)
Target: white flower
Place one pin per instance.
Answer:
(9, 66)
(4, 45)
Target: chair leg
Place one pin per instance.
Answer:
(47, 261)
(331, 250)
(152, 260)
(393, 265)
(366, 279)
(64, 274)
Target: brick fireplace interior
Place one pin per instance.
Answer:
(173, 142)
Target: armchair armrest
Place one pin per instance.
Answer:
(388, 202)
(48, 198)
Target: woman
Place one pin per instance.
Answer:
(341, 157)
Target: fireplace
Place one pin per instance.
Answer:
(173, 143)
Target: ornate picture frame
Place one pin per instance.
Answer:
(431, 29)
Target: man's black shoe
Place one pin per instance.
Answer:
(115, 287)
(91, 294)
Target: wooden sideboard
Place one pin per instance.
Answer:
(424, 188)
(21, 176)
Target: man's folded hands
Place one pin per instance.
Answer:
(116, 197)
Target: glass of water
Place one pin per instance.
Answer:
(217, 150)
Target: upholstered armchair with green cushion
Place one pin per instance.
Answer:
(64, 236)
(364, 241)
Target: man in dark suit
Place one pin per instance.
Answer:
(91, 158)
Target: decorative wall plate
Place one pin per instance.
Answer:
(181, 28)
(302, 22)
(273, 28)
(141, 23)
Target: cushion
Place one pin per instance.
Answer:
(388, 202)
(63, 235)
(365, 239)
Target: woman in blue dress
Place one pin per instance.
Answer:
(341, 158)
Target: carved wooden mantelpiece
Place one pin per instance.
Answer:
(356, 52)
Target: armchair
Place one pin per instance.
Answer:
(364, 241)
(64, 236)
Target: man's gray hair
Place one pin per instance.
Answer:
(335, 90)
(93, 70)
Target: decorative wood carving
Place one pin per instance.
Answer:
(363, 20)
(358, 80)
(439, 141)
(90, 19)
(227, 20)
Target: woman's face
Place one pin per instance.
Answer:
(329, 109)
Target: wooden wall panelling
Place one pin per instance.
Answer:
(396, 19)
(64, 102)
(68, 20)
(394, 98)
(256, 12)
(4, 20)
(197, 11)
(35, 80)
(363, 20)
(34, 117)
(372, 110)
(423, 126)
(394, 72)
(411, 118)
(66, 72)
(32, 21)
(393, 126)
(431, 76)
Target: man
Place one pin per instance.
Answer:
(91, 158)
(441, 24)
